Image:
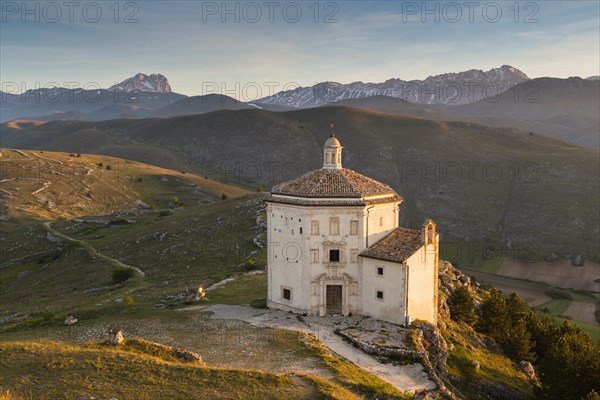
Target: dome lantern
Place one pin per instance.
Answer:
(332, 153)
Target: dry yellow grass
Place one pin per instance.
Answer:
(54, 185)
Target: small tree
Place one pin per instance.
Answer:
(108, 167)
(260, 189)
(461, 305)
(494, 320)
(571, 367)
(224, 196)
(518, 345)
(517, 309)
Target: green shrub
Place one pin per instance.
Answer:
(559, 294)
(122, 274)
(250, 263)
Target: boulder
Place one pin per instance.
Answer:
(578, 260)
(70, 320)
(23, 274)
(527, 368)
(115, 336)
(491, 344)
(465, 279)
(475, 364)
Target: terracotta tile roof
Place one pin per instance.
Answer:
(397, 246)
(269, 198)
(340, 182)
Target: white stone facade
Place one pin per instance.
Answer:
(319, 224)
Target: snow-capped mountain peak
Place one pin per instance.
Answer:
(155, 83)
(450, 88)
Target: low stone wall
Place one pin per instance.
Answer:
(400, 353)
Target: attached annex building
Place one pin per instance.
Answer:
(335, 247)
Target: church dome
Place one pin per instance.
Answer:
(332, 184)
(332, 142)
(333, 187)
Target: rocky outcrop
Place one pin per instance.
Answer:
(70, 320)
(437, 349)
(115, 337)
(496, 391)
(527, 368)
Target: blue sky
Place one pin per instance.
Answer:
(371, 41)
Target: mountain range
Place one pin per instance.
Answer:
(452, 88)
(563, 108)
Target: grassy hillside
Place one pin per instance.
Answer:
(50, 370)
(184, 249)
(52, 185)
(475, 181)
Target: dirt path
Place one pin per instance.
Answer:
(410, 377)
(532, 292)
(91, 250)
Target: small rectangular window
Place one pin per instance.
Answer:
(353, 255)
(354, 228)
(301, 231)
(380, 295)
(314, 255)
(287, 294)
(379, 270)
(334, 226)
(314, 227)
(334, 255)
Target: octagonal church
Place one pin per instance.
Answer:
(335, 247)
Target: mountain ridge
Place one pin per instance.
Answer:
(448, 88)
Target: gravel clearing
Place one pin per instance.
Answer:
(410, 377)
